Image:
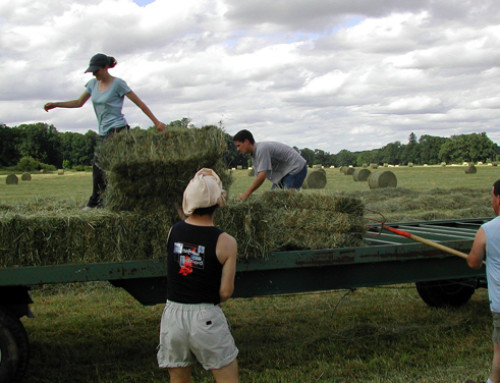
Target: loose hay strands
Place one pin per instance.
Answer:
(148, 170)
(382, 179)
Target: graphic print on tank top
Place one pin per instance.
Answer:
(189, 256)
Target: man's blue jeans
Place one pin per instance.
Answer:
(292, 181)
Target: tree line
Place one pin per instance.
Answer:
(40, 146)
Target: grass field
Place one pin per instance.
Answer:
(96, 333)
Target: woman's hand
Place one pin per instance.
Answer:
(48, 106)
(160, 126)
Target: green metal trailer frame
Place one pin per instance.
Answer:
(385, 259)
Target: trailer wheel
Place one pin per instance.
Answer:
(14, 348)
(447, 293)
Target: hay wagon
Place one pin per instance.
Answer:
(385, 258)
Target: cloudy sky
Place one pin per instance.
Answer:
(322, 74)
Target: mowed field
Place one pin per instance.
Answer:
(96, 333)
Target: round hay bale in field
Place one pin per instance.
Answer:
(443, 164)
(471, 169)
(251, 172)
(373, 166)
(361, 174)
(382, 179)
(410, 164)
(348, 171)
(26, 177)
(60, 172)
(12, 179)
(316, 179)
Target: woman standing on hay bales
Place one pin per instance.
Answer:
(107, 93)
(201, 267)
(279, 163)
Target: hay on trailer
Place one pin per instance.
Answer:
(361, 174)
(148, 170)
(471, 169)
(40, 233)
(284, 219)
(12, 179)
(26, 177)
(315, 179)
(382, 179)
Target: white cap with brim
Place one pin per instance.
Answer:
(204, 190)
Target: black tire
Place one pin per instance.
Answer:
(447, 293)
(14, 348)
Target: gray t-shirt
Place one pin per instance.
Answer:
(276, 159)
(108, 104)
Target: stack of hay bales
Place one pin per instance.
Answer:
(272, 221)
(287, 219)
(382, 179)
(148, 170)
(361, 174)
(471, 169)
(315, 179)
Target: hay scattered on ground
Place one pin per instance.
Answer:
(148, 170)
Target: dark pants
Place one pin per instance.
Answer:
(292, 181)
(98, 174)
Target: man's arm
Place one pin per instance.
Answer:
(476, 255)
(227, 250)
(259, 180)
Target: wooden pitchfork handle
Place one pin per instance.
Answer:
(425, 241)
(417, 238)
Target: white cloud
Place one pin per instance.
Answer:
(321, 74)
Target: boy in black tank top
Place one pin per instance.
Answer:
(201, 266)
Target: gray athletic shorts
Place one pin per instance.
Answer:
(195, 331)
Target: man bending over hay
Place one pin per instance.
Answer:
(201, 266)
(279, 163)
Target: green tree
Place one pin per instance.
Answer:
(428, 149)
(391, 153)
(9, 138)
(76, 148)
(40, 141)
(367, 157)
(308, 155)
(468, 148)
(345, 158)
